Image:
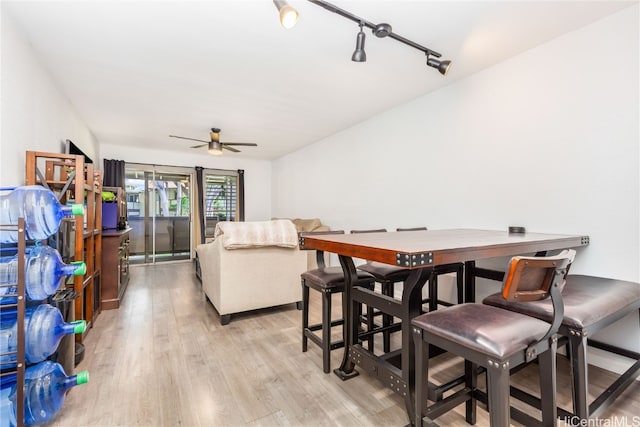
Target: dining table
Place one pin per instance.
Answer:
(419, 252)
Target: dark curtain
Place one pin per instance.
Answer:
(201, 194)
(241, 194)
(113, 173)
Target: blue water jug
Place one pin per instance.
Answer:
(45, 386)
(40, 209)
(44, 327)
(43, 271)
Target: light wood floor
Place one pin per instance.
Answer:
(163, 359)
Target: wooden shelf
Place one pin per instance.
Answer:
(71, 178)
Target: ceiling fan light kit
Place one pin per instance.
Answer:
(215, 148)
(381, 30)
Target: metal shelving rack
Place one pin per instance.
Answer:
(20, 306)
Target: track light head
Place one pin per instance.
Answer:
(359, 55)
(382, 30)
(288, 15)
(441, 66)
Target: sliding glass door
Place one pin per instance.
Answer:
(159, 208)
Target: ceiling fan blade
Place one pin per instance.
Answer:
(190, 139)
(198, 146)
(246, 144)
(229, 148)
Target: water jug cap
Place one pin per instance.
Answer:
(81, 268)
(77, 209)
(82, 377)
(79, 326)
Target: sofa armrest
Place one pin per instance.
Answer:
(209, 258)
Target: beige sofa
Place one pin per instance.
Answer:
(239, 274)
(310, 224)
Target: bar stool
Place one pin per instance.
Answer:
(328, 281)
(388, 275)
(590, 304)
(496, 339)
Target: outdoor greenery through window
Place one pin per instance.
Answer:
(220, 201)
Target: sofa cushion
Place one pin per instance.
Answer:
(307, 224)
(255, 234)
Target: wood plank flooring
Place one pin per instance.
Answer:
(163, 359)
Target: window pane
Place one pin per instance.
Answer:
(220, 202)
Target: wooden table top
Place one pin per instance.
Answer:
(418, 249)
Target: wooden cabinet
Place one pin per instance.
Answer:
(74, 180)
(115, 267)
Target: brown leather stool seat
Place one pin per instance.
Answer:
(590, 304)
(332, 277)
(497, 340)
(493, 332)
(328, 281)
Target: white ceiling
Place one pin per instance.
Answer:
(137, 71)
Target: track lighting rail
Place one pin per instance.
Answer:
(289, 16)
(385, 29)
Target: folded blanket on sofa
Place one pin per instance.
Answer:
(254, 234)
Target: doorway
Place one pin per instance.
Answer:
(159, 207)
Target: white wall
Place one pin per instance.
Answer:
(34, 114)
(257, 173)
(547, 139)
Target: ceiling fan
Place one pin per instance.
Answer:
(215, 146)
